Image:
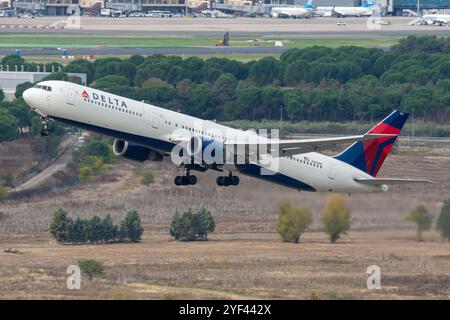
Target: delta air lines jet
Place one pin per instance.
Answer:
(145, 132)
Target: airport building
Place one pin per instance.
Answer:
(93, 7)
(10, 77)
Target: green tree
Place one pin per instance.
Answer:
(21, 87)
(100, 149)
(443, 222)
(2, 95)
(204, 223)
(264, 71)
(130, 227)
(9, 126)
(94, 229)
(191, 226)
(56, 76)
(147, 178)
(109, 231)
(422, 218)
(91, 267)
(59, 225)
(224, 88)
(78, 231)
(81, 66)
(12, 60)
(336, 217)
(292, 222)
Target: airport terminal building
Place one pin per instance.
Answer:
(92, 7)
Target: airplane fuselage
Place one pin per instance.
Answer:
(158, 128)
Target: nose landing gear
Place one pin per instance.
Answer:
(45, 131)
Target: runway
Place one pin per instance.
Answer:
(206, 26)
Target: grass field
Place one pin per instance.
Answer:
(80, 41)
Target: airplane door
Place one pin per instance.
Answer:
(155, 120)
(332, 173)
(70, 97)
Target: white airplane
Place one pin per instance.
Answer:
(293, 12)
(146, 132)
(366, 10)
(429, 19)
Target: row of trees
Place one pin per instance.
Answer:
(96, 229)
(424, 220)
(293, 221)
(316, 83)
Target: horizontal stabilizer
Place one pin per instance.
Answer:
(381, 181)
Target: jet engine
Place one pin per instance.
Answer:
(135, 152)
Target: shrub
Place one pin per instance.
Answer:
(3, 193)
(292, 222)
(59, 225)
(421, 218)
(91, 267)
(147, 178)
(443, 222)
(130, 227)
(191, 226)
(336, 217)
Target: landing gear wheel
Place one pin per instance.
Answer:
(226, 181)
(219, 181)
(235, 180)
(45, 132)
(178, 180)
(192, 180)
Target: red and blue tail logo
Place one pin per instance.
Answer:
(369, 155)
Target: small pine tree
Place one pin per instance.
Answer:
(421, 218)
(204, 223)
(59, 225)
(130, 226)
(109, 232)
(95, 229)
(292, 222)
(78, 231)
(336, 217)
(443, 222)
(191, 226)
(91, 267)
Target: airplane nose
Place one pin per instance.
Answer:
(27, 96)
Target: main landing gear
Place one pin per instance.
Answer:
(185, 180)
(45, 131)
(225, 181)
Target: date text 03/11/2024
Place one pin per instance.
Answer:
(227, 309)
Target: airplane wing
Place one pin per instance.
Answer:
(381, 181)
(292, 147)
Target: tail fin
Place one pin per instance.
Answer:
(309, 5)
(369, 155)
(369, 3)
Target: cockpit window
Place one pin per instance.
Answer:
(46, 88)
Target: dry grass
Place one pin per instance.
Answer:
(235, 266)
(244, 258)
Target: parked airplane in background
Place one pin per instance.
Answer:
(429, 19)
(294, 12)
(146, 132)
(366, 10)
